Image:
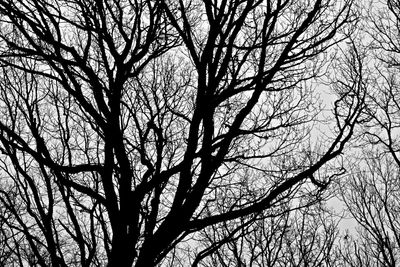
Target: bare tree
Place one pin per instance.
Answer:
(371, 192)
(128, 128)
(296, 237)
(372, 197)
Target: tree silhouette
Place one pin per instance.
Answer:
(301, 237)
(371, 192)
(130, 128)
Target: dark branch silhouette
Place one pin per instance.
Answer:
(130, 129)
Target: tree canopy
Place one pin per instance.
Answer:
(193, 133)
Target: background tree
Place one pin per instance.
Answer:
(371, 193)
(372, 197)
(302, 237)
(129, 129)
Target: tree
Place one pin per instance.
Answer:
(372, 198)
(128, 128)
(371, 192)
(301, 237)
